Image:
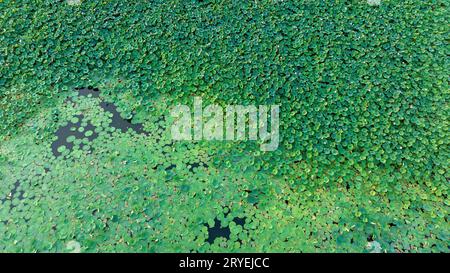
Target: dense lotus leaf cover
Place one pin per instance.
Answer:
(363, 163)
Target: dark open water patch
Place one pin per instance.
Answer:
(196, 165)
(94, 92)
(73, 129)
(217, 231)
(171, 167)
(15, 193)
(120, 123)
(117, 121)
(239, 221)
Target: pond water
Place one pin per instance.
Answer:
(120, 123)
(117, 121)
(217, 231)
(74, 130)
(16, 192)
